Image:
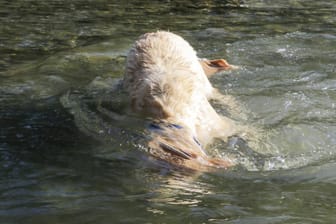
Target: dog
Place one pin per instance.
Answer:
(168, 84)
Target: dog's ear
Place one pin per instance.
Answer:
(210, 67)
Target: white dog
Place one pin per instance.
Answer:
(168, 83)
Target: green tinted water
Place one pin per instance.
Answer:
(63, 159)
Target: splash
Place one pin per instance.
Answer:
(281, 100)
(288, 95)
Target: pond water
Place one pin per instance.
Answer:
(64, 160)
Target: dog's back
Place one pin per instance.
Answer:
(163, 76)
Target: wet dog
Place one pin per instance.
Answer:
(168, 83)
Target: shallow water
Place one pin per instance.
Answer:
(65, 157)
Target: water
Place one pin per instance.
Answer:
(65, 157)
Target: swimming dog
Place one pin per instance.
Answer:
(169, 84)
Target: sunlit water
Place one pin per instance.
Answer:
(66, 156)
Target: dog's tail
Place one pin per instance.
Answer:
(177, 146)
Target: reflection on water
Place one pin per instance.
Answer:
(69, 149)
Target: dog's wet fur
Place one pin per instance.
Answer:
(169, 84)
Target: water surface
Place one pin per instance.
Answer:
(65, 159)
